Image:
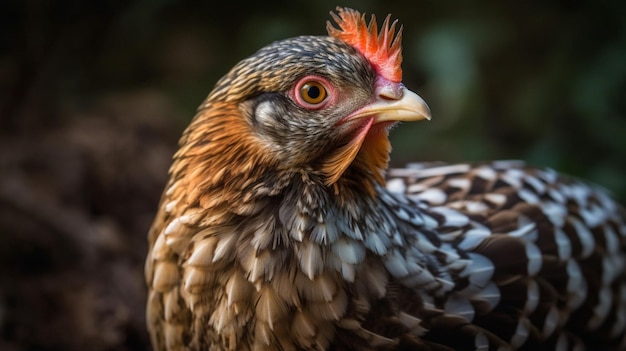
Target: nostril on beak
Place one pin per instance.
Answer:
(390, 92)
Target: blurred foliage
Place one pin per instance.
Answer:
(96, 93)
(539, 81)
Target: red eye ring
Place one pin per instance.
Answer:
(312, 92)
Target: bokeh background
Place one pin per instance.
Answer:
(94, 95)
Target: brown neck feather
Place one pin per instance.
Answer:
(368, 166)
(220, 162)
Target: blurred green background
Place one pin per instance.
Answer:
(94, 95)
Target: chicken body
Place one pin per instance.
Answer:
(282, 229)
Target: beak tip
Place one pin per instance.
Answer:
(423, 108)
(428, 116)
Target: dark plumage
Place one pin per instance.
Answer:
(282, 229)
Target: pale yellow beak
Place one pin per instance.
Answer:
(405, 106)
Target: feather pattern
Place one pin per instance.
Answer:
(512, 261)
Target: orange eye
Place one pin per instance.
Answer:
(313, 92)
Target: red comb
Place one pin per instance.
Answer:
(383, 50)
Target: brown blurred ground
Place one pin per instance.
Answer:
(94, 95)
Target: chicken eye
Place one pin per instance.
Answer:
(313, 92)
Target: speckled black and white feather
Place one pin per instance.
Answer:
(553, 249)
(494, 256)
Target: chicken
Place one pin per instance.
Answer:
(281, 227)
